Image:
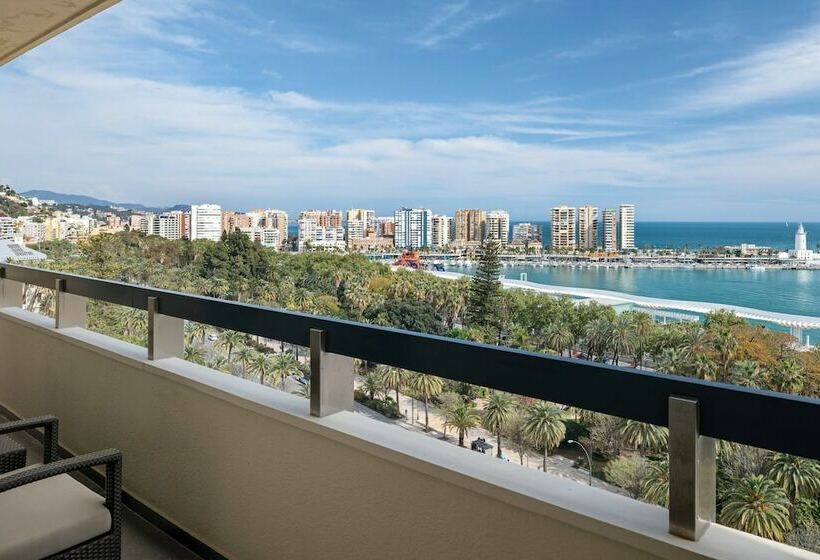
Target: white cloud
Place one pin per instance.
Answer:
(83, 125)
(780, 71)
(452, 20)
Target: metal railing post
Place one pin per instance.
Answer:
(69, 310)
(331, 378)
(166, 335)
(692, 471)
(11, 292)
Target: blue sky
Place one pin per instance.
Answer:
(692, 110)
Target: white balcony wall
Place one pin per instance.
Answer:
(247, 471)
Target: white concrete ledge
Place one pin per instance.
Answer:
(217, 454)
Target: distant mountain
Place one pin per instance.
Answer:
(83, 200)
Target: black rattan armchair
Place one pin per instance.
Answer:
(46, 514)
(50, 426)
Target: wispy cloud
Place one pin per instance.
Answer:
(779, 71)
(601, 46)
(452, 20)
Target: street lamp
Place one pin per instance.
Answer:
(589, 459)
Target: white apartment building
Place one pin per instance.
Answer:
(498, 226)
(315, 236)
(167, 225)
(266, 237)
(359, 221)
(610, 230)
(6, 227)
(587, 227)
(627, 226)
(562, 227)
(413, 228)
(33, 232)
(526, 231)
(442, 231)
(272, 218)
(206, 222)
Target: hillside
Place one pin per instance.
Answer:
(83, 200)
(11, 203)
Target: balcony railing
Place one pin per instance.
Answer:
(696, 412)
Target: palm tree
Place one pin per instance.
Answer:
(621, 337)
(655, 488)
(262, 365)
(788, 376)
(704, 366)
(427, 386)
(497, 411)
(196, 330)
(597, 334)
(642, 325)
(372, 385)
(284, 365)
(219, 363)
(461, 419)
(725, 343)
(244, 356)
(748, 373)
(645, 437)
(544, 427)
(393, 378)
(303, 390)
(756, 505)
(194, 354)
(798, 477)
(671, 360)
(559, 337)
(228, 340)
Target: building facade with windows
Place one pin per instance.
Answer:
(206, 222)
(471, 225)
(610, 230)
(563, 228)
(498, 226)
(413, 228)
(627, 226)
(587, 227)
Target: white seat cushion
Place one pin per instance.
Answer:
(49, 516)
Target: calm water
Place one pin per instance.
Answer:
(785, 291)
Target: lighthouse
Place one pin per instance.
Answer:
(800, 239)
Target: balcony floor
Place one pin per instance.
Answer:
(140, 539)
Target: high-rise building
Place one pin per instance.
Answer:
(587, 227)
(232, 221)
(206, 222)
(610, 230)
(385, 226)
(168, 225)
(272, 219)
(442, 230)
(324, 218)
(312, 235)
(627, 226)
(359, 221)
(562, 227)
(526, 231)
(498, 226)
(6, 227)
(471, 225)
(413, 228)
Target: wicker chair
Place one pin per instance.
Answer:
(50, 427)
(47, 514)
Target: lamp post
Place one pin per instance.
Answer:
(589, 459)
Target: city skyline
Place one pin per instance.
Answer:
(430, 103)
